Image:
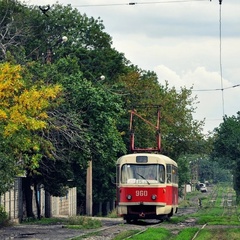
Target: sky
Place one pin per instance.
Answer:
(189, 43)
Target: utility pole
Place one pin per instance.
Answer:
(89, 190)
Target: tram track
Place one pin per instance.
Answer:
(144, 230)
(112, 227)
(141, 227)
(228, 204)
(212, 198)
(109, 232)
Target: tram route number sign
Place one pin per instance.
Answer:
(141, 193)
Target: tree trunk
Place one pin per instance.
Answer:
(28, 194)
(37, 201)
(48, 210)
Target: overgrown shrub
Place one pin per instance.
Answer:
(3, 217)
(84, 222)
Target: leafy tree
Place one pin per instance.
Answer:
(91, 107)
(91, 121)
(85, 129)
(212, 171)
(23, 118)
(184, 172)
(8, 170)
(181, 134)
(226, 148)
(139, 91)
(14, 29)
(73, 127)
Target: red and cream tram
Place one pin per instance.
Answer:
(147, 186)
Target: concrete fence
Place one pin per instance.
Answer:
(11, 201)
(15, 206)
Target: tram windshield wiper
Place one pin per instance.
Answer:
(143, 178)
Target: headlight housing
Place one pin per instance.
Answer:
(154, 197)
(129, 197)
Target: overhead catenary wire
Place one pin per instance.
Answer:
(215, 89)
(136, 3)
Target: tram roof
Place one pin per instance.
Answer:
(132, 157)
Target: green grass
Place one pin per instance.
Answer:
(81, 222)
(113, 214)
(214, 213)
(186, 234)
(163, 234)
(77, 222)
(219, 233)
(218, 220)
(45, 221)
(153, 234)
(125, 234)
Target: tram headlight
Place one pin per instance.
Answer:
(154, 197)
(129, 197)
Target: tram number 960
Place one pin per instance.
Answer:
(141, 193)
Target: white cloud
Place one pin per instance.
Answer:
(213, 103)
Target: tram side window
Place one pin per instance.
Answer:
(117, 177)
(124, 174)
(174, 174)
(169, 173)
(161, 174)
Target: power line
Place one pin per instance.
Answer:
(215, 89)
(137, 3)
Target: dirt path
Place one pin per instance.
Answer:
(110, 228)
(37, 232)
(48, 232)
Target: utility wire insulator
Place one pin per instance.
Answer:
(220, 2)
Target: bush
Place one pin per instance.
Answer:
(3, 217)
(84, 222)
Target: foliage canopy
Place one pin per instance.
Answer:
(226, 148)
(23, 116)
(57, 113)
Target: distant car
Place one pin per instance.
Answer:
(203, 188)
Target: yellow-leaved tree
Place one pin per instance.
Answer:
(23, 116)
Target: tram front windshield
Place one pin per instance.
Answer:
(142, 173)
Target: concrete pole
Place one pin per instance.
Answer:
(89, 190)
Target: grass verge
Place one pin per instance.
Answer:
(77, 222)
